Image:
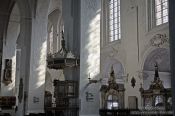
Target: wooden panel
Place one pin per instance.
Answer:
(7, 101)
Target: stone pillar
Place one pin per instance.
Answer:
(24, 45)
(172, 47)
(36, 82)
(71, 18)
(90, 57)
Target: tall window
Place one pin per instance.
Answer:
(157, 13)
(51, 40)
(161, 11)
(114, 20)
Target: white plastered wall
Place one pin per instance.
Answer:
(9, 50)
(90, 56)
(38, 59)
(134, 46)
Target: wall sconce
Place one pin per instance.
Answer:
(92, 81)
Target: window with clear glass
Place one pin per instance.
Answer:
(161, 11)
(112, 102)
(158, 100)
(51, 40)
(114, 20)
(60, 35)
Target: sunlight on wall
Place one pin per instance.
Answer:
(90, 56)
(93, 47)
(12, 85)
(41, 72)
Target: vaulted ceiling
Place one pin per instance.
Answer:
(5, 10)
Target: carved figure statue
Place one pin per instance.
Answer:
(112, 83)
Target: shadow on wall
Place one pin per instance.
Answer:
(90, 55)
(90, 47)
(41, 69)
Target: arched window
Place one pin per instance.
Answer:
(51, 40)
(59, 35)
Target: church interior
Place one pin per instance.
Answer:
(86, 57)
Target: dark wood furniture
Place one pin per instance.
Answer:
(7, 102)
(133, 112)
(66, 99)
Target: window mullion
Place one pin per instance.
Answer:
(118, 10)
(114, 27)
(113, 22)
(161, 11)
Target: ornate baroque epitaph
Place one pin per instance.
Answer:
(7, 76)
